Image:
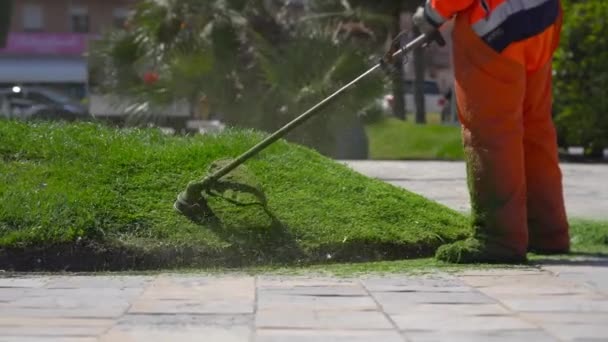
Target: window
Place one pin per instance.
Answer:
(120, 16)
(79, 19)
(32, 17)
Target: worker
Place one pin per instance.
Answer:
(502, 51)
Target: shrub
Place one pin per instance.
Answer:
(581, 76)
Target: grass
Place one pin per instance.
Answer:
(589, 237)
(393, 139)
(87, 197)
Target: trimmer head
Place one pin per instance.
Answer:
(192, 204)
(240, 187)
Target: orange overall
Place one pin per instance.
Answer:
(502, 62)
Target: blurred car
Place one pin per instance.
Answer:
(40, 103)
(434, 101)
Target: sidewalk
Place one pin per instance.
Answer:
(585, 185)
(555, 303)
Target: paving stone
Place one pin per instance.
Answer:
(180, 320)
(501, 272)
(27, 282)
(99, 303)
(320, 291)
(280, 282)
(99, 282)
(76, 311)
(595, 277)
(48, 327)
(577, 303)
(459, 309)
(7, 338)
(565, 317)
(9, 294)
(402, 302)
(290, 319)
(183, 334)
(578, 332)
(268, 301)
(542, 283)
(197, 295)
(482, 336)
(442, 283)
(443, 322)
(292, 335)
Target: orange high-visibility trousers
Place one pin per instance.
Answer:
(504, 105)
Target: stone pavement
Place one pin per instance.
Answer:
(585, 185)
(552, 303)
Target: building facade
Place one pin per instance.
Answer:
(48, 41)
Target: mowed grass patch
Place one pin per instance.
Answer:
(589, 236)
(88, 197)
(393, 139)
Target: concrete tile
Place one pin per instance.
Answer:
(280, 282)
(573, 318)
(99, 282)
(459, 309)
(442, 283)
(182, 334)
(594, 277)
(49, 327)
(292, 335)
(542, 285)
(8, 338)
(501, 272)
(442, 322)
(129, 321)
(482, 336)
(290, 319)
(9, 294)
(320, 291)
(578, 332)
(397, 302)
(277, 302)
(577, 303)
(197, 295)
(27, 282)
(43, 302)
(89, 312)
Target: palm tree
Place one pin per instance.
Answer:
(250, 67)
(384, 17)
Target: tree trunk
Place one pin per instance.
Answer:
(397, 78)
(419, 83)
(6, 11)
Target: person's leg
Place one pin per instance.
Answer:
(547, 222)
(490, 95)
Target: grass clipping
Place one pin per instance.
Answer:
(87, 197)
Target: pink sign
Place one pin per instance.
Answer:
(46, 43)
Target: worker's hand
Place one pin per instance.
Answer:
(424, 25)
(427, 27)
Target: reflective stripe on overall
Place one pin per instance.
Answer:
(500, 23)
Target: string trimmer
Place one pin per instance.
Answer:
(192, 202)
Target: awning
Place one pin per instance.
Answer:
(43, 70)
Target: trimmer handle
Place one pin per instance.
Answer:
(437, 38)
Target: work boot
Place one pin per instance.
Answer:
(474, 250)
(550, 247)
